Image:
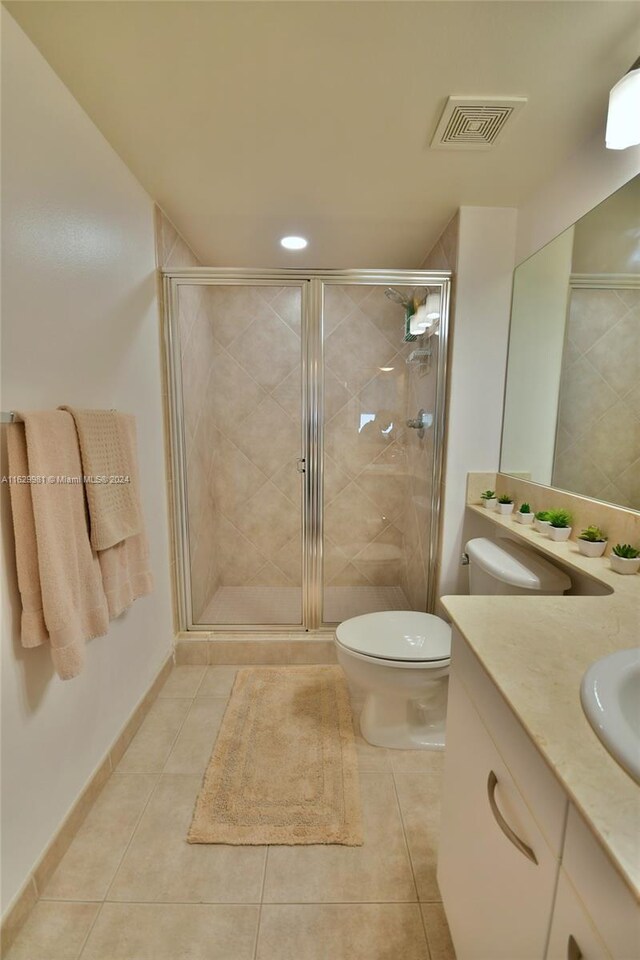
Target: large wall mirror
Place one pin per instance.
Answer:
(572, 402)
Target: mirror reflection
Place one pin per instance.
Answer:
(572, 403)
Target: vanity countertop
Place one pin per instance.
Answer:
(536, 650)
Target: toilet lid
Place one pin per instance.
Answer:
(397, 635)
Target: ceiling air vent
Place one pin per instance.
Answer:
(474, 123)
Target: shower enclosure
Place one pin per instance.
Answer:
(301, 494)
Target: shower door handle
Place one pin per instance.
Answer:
(301, 465)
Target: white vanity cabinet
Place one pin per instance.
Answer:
(573, 935)
(496, 872)
(501, 808)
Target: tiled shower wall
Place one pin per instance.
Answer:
(598, 439)
(421, 393)
(366, 483)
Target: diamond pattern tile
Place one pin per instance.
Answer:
(241, 377)
(242, 384)
(598, 443)
(268, 436)
(355, 351)
(268, 350)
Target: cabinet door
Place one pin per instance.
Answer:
(573, 936)
(498, 901)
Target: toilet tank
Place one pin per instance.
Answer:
(507, 568)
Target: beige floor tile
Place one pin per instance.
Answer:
(419, 797)
(189, 931)
(149, 749)
(192, 750)
(217, 682)
(183, 681)
(359, 931)
(54, 931)
(161, 866)
(379, 870)
(438, 936)
(417, 761)
(90, 863)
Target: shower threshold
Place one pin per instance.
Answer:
(278, 605)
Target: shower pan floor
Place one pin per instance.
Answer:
(247, 605)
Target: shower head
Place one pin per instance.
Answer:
(396, 296)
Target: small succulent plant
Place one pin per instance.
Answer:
(488, 495)
(593, 534)
(542, 516)
(559, 518)
(626, 551)
(505, 498)
(525, 507)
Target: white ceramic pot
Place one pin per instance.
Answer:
(541, 525)
(559, 533)
(624, 564)
(523, 517)
(591, 548)
(505, 509)
(490, 504)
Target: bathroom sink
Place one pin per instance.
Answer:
(610, 695)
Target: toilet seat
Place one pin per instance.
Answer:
(404, 637)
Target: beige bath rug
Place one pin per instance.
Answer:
(284, 767)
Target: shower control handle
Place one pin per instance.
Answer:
(421, 422)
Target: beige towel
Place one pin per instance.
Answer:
(126, 569)
(33, 628)
(51, 520)
(114, 512)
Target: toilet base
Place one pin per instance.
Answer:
(401, 724)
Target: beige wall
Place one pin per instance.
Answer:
(80, 326)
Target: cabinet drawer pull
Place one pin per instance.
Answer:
(573, 950)
(492, 783)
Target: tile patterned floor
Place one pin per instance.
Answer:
(131, 888)
(245, 605)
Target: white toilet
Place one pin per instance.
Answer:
(400, 658)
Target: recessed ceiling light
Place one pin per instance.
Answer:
(293, 243)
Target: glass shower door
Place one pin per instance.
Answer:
(240, 372)
(366, 452)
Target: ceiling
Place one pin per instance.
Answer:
(249, 120)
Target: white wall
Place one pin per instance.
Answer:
(536, 341)
(585, 180)
(80, 326)
(478, 363)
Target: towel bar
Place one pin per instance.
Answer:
(8, 416)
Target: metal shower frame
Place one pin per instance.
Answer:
(311, 284)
